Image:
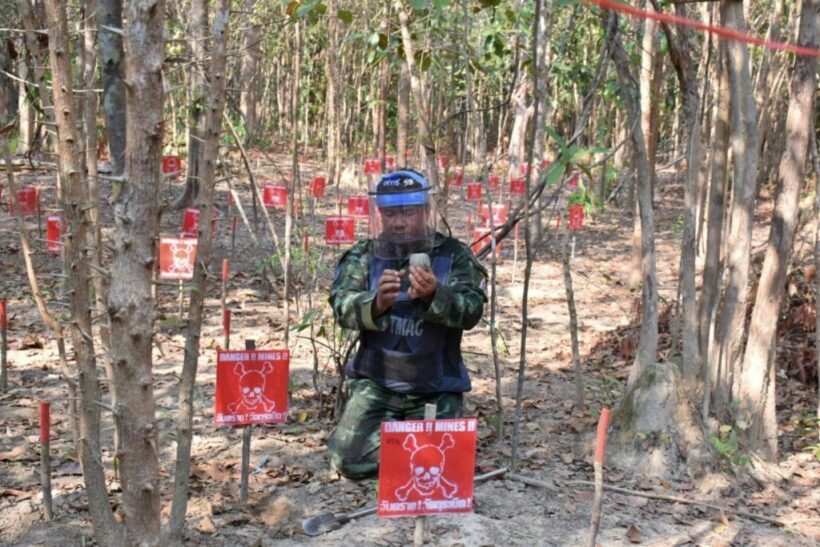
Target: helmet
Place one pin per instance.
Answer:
(402, 188)
(402, 214)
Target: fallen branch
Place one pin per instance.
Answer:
(550, 485)
(678, 499)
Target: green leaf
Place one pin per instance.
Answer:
(383, 41)
(441, 4)
(419, 5)
(345, 16)
(562, 3)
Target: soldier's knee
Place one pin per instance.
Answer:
(353, 468)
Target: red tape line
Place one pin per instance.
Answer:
(731, 34)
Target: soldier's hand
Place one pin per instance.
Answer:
(387, 291)
(423, 284)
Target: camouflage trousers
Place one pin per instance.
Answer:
(354, 445)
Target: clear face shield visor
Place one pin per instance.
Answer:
(402, 222)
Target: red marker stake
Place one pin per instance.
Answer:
(4, 324)
(45, 458)
(598, 464)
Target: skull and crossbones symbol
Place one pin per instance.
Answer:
(181, 257)
(252, 386)
(427, 469)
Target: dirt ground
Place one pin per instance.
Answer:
(290, 476)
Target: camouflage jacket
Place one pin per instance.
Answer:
(458, 305)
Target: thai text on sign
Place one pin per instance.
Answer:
(426, 467)
(251, 387)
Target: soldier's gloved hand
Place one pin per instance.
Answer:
(423, 284)
(387, 291)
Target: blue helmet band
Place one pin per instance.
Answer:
(402, 188)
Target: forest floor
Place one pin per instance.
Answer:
(290, 476)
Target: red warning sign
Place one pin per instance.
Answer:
(339, 230)
(176, 258)
(518, 187)
(28, 198)
(53, 243)
(275, 196)
(372, 167)
(171, 165)
(576, 216)
(251, 387)
(494, 182)
(426, 467)
(358, 206)
(455, 180)
(473, 191)
(317, 187)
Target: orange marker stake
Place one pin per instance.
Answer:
(45, 458)
(598, 464)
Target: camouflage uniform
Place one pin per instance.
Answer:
(458, 305)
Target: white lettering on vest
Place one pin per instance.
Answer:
(404, 326)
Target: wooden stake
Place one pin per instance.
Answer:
(598, 464)
(226, 313)
(246, 447)
(45, 458)
(418, 535)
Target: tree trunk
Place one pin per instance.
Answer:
(109, 16)
(74, 202)
(754, 389)
(403, 106)
(333, 106)
(730, 328)
(30, 24)
(24, 109)
(131, 308)
(713, 265)
(648, 124)
(648, 344)
(422, 107)
(185, 415)
(197, 30)
(687, 79)
(249, 80)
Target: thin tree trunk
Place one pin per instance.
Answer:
(109, 19)
(24, 108)
(648, 343)
(730, 328)
(131, 307)
(185, 414)
(530, 256)
(687, 78)
(197, 30)
(248, 80)
(294, 181)
(713, 268)
(403, 106)
(333, 106)
(754, 390)
(75, 202)
(422, 107)
(30, 24)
